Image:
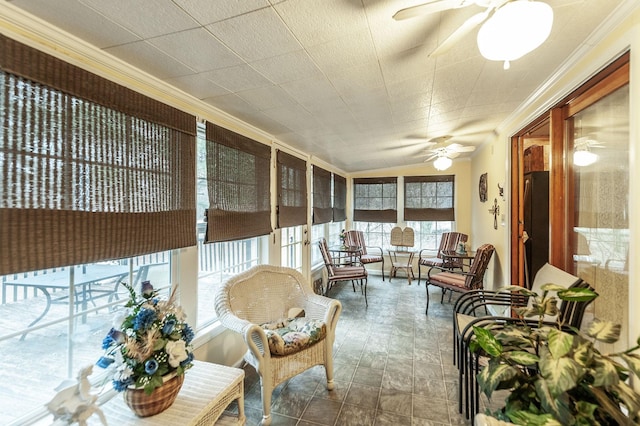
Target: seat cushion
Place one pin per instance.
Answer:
(449, 280)
(430, 261)
(370, 258)
(349, 273)
(287, 336)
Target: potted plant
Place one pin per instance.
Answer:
(555, 374)
(150, 352)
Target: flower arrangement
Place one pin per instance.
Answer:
(343, 237)
(153, 340)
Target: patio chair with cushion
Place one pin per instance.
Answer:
(460, 281)
(370, 254)
(353, 272)
(286, 326)
(448, 242)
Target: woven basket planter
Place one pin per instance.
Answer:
(161, 398)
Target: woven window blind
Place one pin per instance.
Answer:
(238, 176)
(429, 198)
(89, 170)
(375, 199)
(322, 211)
(292, 190)
(339, 198)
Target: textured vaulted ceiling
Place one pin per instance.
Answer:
(337, 79)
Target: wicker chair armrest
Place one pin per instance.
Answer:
(323, 308)
(256, 339)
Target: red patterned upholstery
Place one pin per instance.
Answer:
(342, 273)
(356, 239)
(448, 242)
(460, 281)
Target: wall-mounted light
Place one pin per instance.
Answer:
(442, 162)
(514, 30)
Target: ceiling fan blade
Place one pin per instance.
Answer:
(462, 31)
(469, 148)
(427, 8)
(453, 155)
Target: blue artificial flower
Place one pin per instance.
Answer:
(120, 385)
(187, 360)
(168, 327)
(113, 337)
(151, 366)
(104, 362)
(144, 319)
(147, 289)
(187, 333)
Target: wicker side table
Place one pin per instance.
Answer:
(207, 391)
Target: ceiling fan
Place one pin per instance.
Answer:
(510, 28)
(435, 6)
(443, 152)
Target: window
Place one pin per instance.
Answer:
(216, 261)
(56, 318)
(238, 186)
(291, 247)
(429, 233)
(79, 163)
(429, 198)
(321, 195)
(292, 190)
(96, 184)
(375, 200)
(339, 198)
(376, 234)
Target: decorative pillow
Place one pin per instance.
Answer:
(290, 335)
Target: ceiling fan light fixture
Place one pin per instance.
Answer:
(514, 30)
(442, 163)
(584, 157)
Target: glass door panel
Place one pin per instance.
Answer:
(598, 205)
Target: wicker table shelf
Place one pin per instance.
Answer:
(207, 391)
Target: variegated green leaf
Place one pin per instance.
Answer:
(583, 353)
(490, 376)
(560, 374)
(487, 341)
(522, 357)
(559, 343)
(531, 419)
(585, 411)
(577, 294)
(630, 397)
(606, 373)
(607, 405)
(552, 287)
(633, 362)
(546, 398)
(516, 289)
(604, 331)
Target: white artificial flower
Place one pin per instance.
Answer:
(177, 351)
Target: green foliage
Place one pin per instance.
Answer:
(556, 376)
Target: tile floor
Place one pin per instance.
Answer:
(393, 365)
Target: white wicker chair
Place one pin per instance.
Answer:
(263, 294)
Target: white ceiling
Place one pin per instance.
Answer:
(337, 79)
